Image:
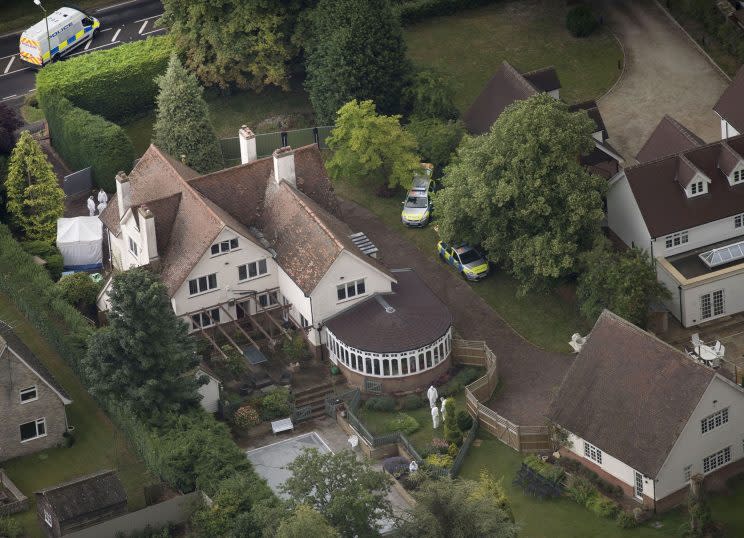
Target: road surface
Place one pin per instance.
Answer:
(120, 23)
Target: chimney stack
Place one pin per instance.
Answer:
(284, 165)
(247, 139)
(147, 232)
(123, 193)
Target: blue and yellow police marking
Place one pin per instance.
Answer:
(59, 48)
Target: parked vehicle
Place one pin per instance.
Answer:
(417, 206)
(470, 263)
(67, 29)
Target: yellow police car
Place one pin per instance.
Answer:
(470, 263)
(417, 206)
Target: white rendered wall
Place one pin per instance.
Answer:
(733, 292)
(623, 216)
(727, 130)
(210, 393)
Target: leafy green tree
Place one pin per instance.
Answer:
(142, 358)
(304, 523)
(356, 51)
(430, 96)
(437, 140)
(520, 192)
(624, 282)
(243, 43)
(34, 199)
(79, 290)
(182, 127)
(371, 148)
(348, 493)
(449, 508)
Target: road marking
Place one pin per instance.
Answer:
(14, 72)
(9, 97)
(7, 67)
(116, 34)
(87, 45)
(148, 18)
(142, 28)
(155, 31)
(106, 30)
(92, 48)
(115, 6)
(8, 56)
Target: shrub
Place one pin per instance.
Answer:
(436, 140)
(116, 83)
(581, 21)
(625, 520)
(403, 423)
(429, 96)
(467, 375)
(246, 417)
(49, 253)
(580, 490)
(412, 11)
(294, 349)
(554, 473)
(79, 290)
(412, 401)
(380, 403)
(276, 405)
(603, 507)
(438, 446)
(232, 360)
(84, 139)
(10, 528)
(443, 461)
(453, 450)
(464, 421)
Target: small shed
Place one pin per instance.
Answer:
(80, 240)
(80, 503)
(210, 391)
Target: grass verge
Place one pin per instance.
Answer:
(98, 443)
(17, 15)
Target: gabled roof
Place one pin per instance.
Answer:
(668, 138)
(84, 495)
(544, 79)
(629, 394)
(592, 110)
(663, 204)
(12, 345)
(729, 106)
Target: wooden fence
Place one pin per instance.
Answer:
(520, 438)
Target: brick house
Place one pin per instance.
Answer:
(32, 403)
(647, 418)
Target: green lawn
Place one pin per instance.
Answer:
(98, 444)
(546, 319)
(468, 48)
(17, 15)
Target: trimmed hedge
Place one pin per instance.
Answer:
(117, 83)
(411, 11)
(84, 139)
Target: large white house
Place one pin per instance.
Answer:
(657, 418)
(730, 109)
(684, 205)
(264, 238)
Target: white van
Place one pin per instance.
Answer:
(68, 29)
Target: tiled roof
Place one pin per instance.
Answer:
(729, 106)
(417, 318)
(592, 111)
(85, 495)
(16, 346)
(662, 201)
(668, 138)
(545, 79)
(110, 217)
(629, 394)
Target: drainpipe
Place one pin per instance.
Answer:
(681, 310)
(651, 249)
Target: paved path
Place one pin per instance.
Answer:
(528, 375)
(664, 74)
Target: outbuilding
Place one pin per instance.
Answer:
(80, 240)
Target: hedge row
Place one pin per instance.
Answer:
(411, 11)
(116, 83)
(718, 28)
(84, 139)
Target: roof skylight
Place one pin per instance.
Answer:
(723, 255)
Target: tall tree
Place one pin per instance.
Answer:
(348, 493)
(243, 43)
(305, 523)
(520, 192)
(456, 509)
(34, 199)
(624, 282)
(182, 127)
(437, 140)
(371, 148)
(356, 51)
(9, 122)
(142, 357)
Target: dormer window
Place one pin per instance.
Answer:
(737, 177)
(224, 246)
(697, 187)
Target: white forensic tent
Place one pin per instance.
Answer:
(80, 240)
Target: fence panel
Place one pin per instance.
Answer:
(302, 413)
(372, 386)
(230, 151)
(460, 459)
(266, 143)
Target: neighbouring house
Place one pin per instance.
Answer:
(32, 403)
(686, 210)
(210, 391)
(80, 503)
(645, 417)
(729, 107)
(508, 85)
(259, 243)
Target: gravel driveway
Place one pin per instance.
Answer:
(664, 74)
(528, 374)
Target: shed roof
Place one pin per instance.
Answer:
(84, 495)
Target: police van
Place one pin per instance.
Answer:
(68, 29)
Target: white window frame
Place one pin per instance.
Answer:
(714, 420)
(698, 187)
(223, 247)
(267, 296)
(256, 267)
(739, 220)
(638, 485)
(212, 317)
(38, 422)
(342, 290)
(48, 518)
(208, 288)
(33, 388)
(592, 453)
(687, 472)
(676, 239)
(133, 246)
(737, 176)
(717, 460)
(713, 304)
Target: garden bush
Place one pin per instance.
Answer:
(233, 360)
(10, 528)
(625, 520)
(443, 461)
(79, 290)
(276, 405)
(403, 423)
(580, 490)
(464, 421)
(412, 11)
(380, 403)
(412, 401)
(117, 83)
(554, 473)
(603, 507)
(581, 21)
(49, 253)
(84, 139)
(246, 417)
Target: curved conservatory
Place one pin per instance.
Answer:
(402, 340)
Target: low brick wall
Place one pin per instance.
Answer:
(21, 502)
(399, 385)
